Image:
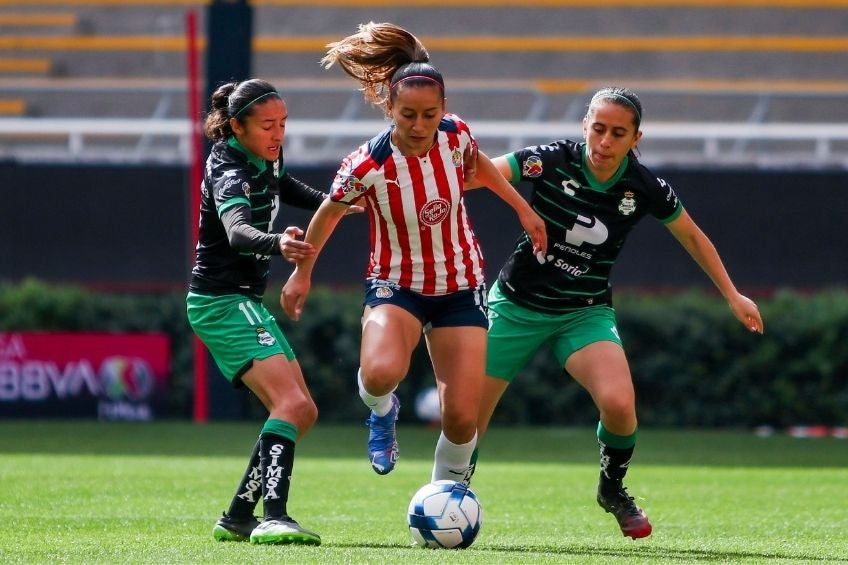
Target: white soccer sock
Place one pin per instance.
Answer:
(380, 405)
(452, 460)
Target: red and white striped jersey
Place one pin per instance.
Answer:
(421, 236)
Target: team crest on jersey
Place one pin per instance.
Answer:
(246, 189)
(434, 212)
(352, 184)
(532, 167)
(383, 292)
(456, 157)
(628, 204)
(264, 337)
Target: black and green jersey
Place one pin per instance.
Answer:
(587, 223)
(235, 178)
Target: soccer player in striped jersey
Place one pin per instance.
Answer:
(244, 181)
(425, 271)
(591, 194)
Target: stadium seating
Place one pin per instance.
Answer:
(721, 61)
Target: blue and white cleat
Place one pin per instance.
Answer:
(382, 439)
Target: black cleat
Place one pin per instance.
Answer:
(632, 519)
(229, 529)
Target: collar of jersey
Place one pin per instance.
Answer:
(255, 160)
(594, 183)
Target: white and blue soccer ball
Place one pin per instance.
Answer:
(444, 514)
(428, 407)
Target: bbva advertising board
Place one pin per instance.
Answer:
(107, 376)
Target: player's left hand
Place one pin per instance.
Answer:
(291, 248)
(746, 311)
(294, 294)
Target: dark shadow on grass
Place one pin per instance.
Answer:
(640, 551)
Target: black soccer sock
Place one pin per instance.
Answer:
(276, 455)
(616, 453)
(249, 489)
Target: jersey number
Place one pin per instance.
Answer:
(249, 310)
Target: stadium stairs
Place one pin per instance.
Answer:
(744, 61)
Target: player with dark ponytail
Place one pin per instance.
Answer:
(244, 181)
(591, 194)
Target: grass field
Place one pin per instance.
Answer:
(87, 492)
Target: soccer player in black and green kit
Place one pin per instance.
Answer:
(590, 195)
(243, 182)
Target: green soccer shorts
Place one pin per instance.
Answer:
(236, 330)
(516, 333)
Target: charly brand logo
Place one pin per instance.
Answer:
(570, 187)
(434, 212)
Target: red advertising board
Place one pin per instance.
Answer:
(109, 376)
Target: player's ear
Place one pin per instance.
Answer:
(235, 125)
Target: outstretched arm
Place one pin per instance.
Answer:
(702, 250)
(501, 164)
(492, 176)
(320, 228)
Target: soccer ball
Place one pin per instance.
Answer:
(428, 407)
(444, 514)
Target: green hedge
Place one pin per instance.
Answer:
(693, 364)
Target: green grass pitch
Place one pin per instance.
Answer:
(88, 492)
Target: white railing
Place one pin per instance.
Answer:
(327, 141)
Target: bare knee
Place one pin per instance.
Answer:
(308, 415)
(295, 407)
(459, 426)
(380, 377)
(619, 415)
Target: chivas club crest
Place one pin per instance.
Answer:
(383, 292)
(456, 157)
(628, 204)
